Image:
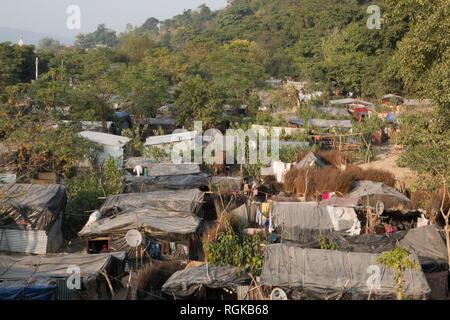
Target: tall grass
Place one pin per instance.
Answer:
(331, 179)
(156, 273)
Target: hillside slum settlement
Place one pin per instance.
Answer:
(315, 228)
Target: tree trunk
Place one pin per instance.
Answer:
(447, 238)
(400, 287)
(104, 124)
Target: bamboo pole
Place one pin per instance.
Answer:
(109, 283)
(128, 284)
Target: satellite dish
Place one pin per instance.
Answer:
(134, 238)
(278, 294)
(380, 207)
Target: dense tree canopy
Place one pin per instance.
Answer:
(217, 58)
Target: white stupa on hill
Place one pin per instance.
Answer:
(20, 43)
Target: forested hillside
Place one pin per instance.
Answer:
(217, 58)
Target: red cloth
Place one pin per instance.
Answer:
(391, 229)
(325, 196)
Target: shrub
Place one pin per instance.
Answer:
(232, 249)
(399, 261)
(84, 191)
(153, 275)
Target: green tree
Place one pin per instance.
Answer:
(133, 47)
(51, 44)
(422, 62)
(199, 100)
(238, 66)
(17, 64)
(100, 37)
(145, 89)
(91, 97)
(399, 261)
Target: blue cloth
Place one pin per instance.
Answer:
(155, 251)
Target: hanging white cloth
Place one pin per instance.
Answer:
(280, 169)
(259, 217)
(138, 170)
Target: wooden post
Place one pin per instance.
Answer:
(137, 228)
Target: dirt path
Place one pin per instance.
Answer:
(385, 158)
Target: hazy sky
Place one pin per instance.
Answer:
(49, 16)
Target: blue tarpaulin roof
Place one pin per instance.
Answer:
(392, 117)
(297, 121)
(40, 289)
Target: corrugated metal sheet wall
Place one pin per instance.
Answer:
(64, 293)
(26, 241)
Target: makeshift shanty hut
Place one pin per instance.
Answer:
(337, 112)
(133, 162)
(429, 245)
(279, 130)
(112, 145)
(31, 217)
(96, 126)
(302, 145)
(251, 215)
(370, 193)
(329, 274)
(323, 123)
(328, 124)
(426, 242)
(232, 183)
(185, 201)
(160, 176)
(171, 169)
(164, 141)
(392, 99)
(162, 217)
(168, 125)
(158, 226)
(350, 102)
(340, 202)
(296, 123)
(205, 282)
(311, 160)
(47, 277)
(305, 221)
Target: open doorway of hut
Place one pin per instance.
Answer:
(96, 245)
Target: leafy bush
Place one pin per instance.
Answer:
(289, 154)
(231, 249)
(84, 191)
(327, 244)
(135, 147)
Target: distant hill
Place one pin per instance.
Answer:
(29, 37)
